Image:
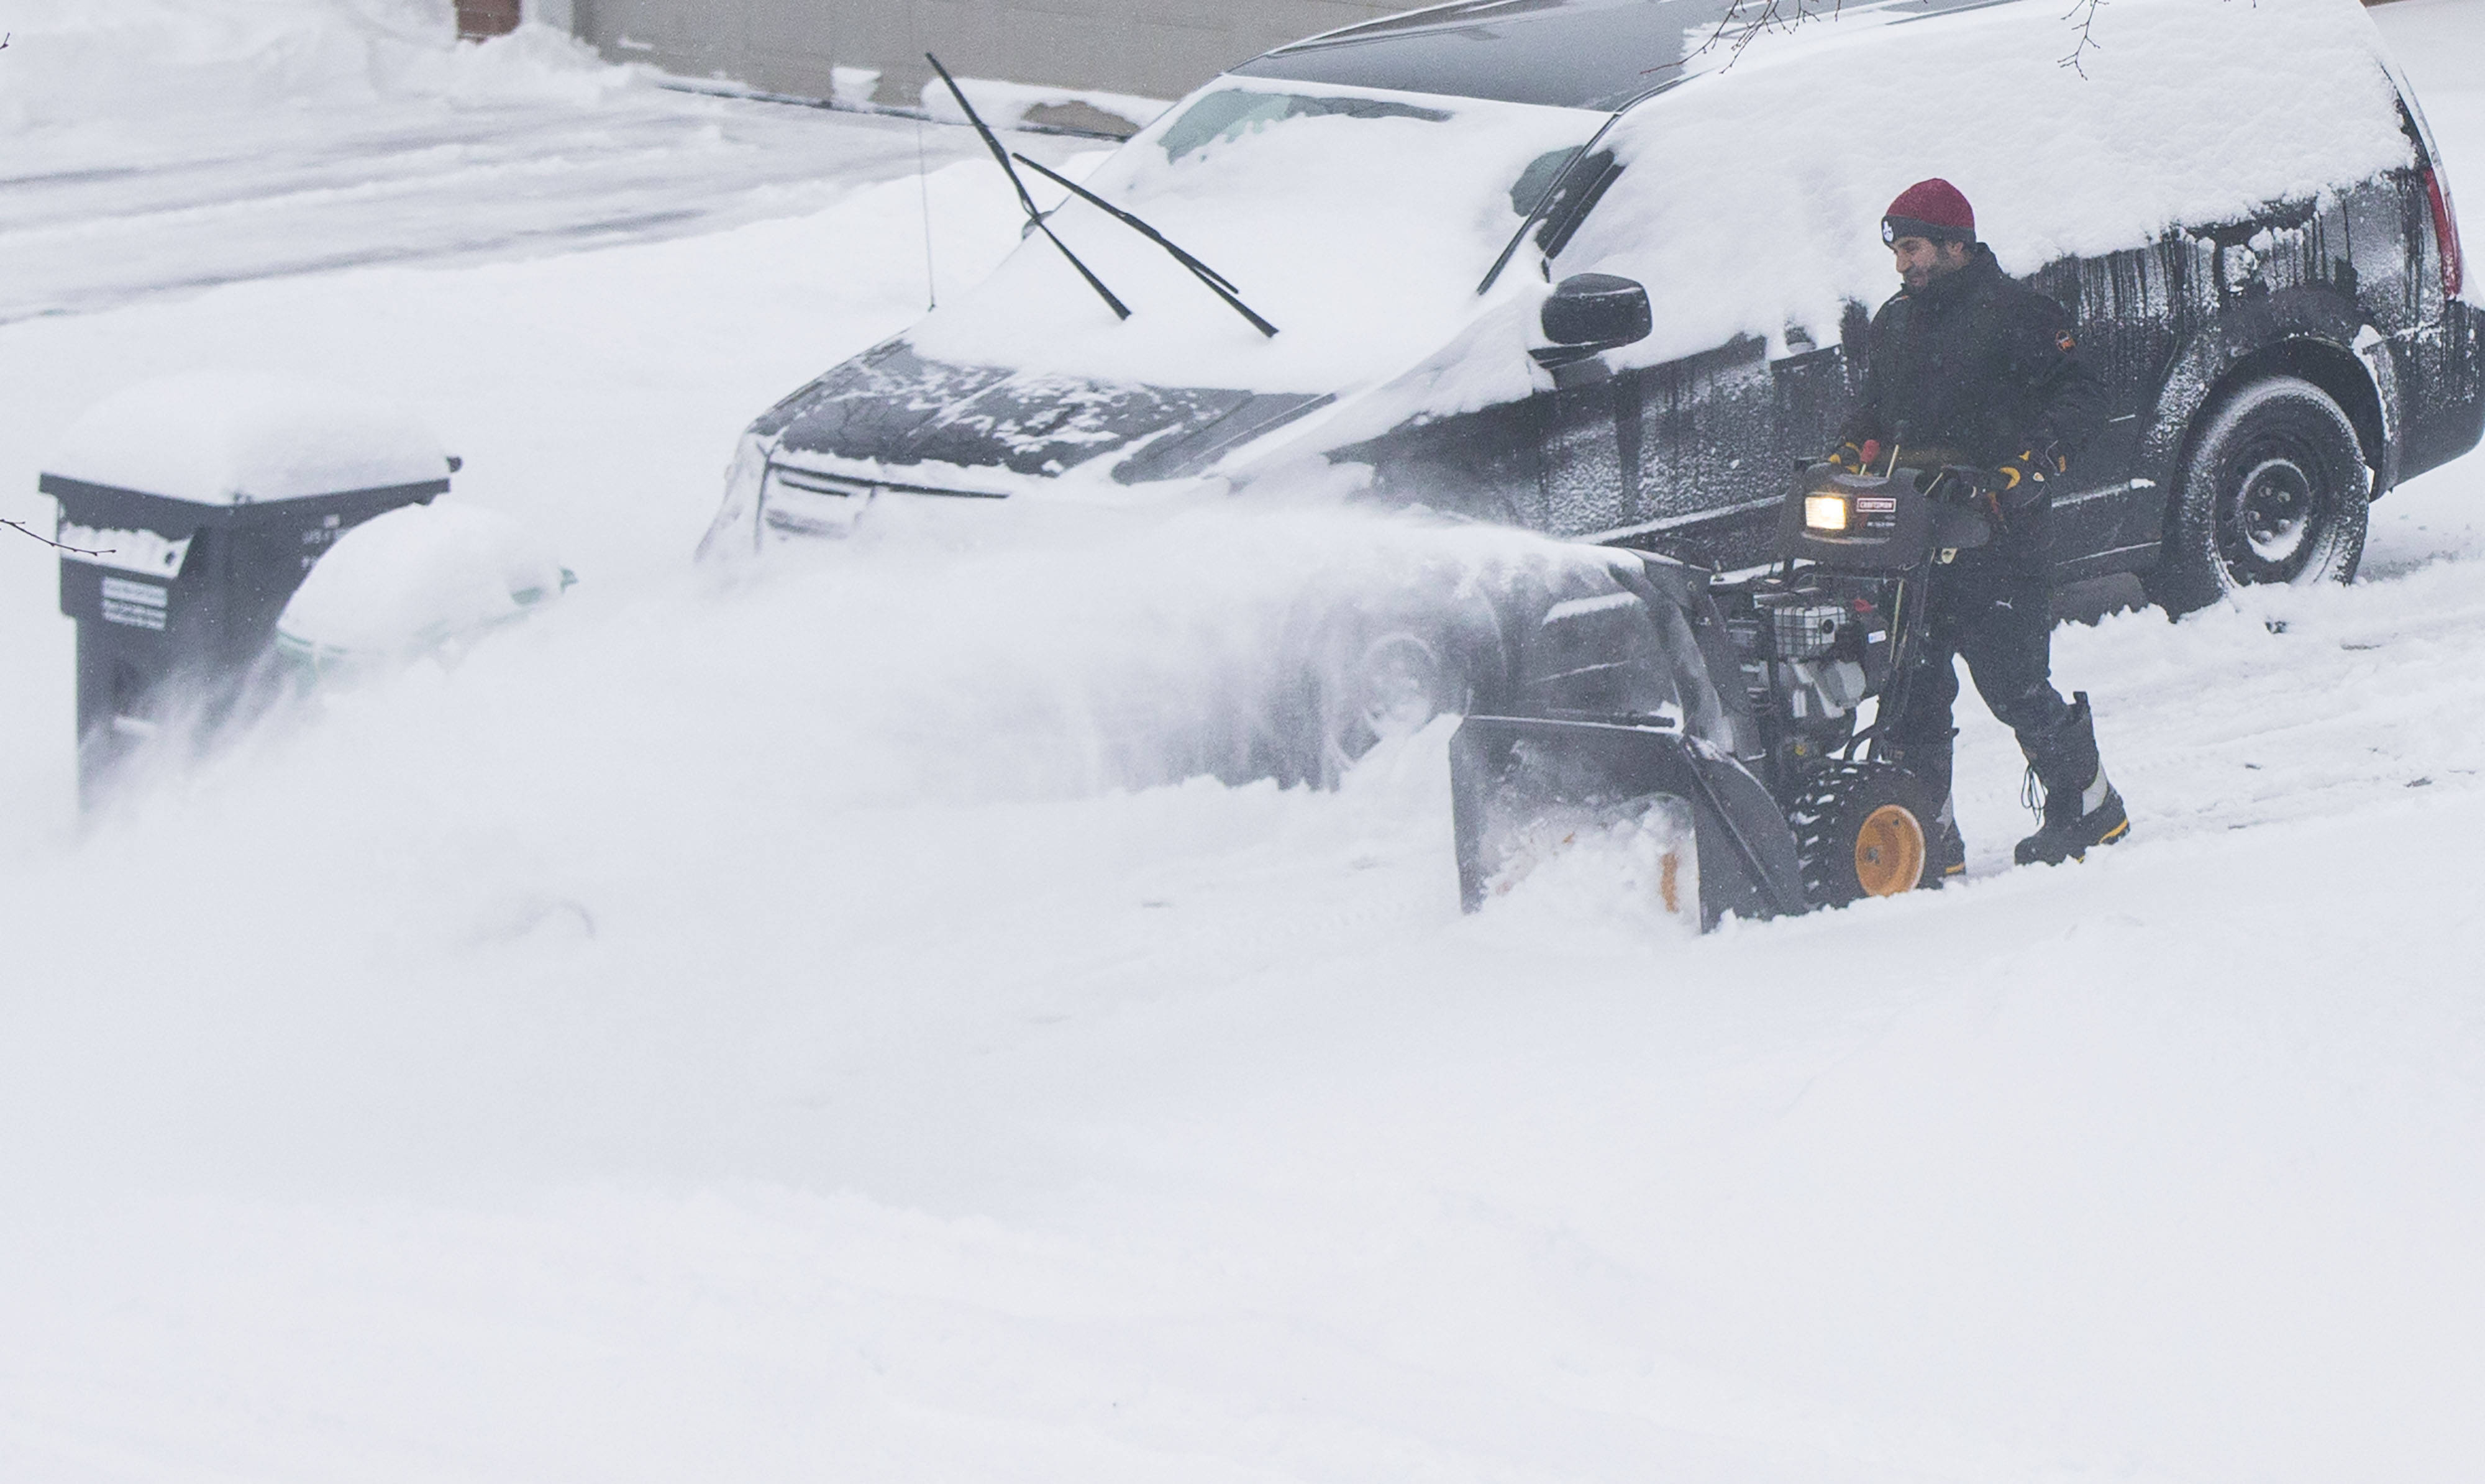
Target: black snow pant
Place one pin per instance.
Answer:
(1993, 608)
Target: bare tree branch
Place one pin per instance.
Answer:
(2085, 13)
(28, 531)
(1745, 21)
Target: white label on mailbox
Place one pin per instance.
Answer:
(139, 605)
(126, 551)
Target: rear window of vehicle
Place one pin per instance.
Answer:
(1561, 53)
(1230, 113)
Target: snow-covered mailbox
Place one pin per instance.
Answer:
(191, 507)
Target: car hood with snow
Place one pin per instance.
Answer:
(894, 409)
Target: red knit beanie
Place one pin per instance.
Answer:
(1931, 209)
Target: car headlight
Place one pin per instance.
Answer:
(735, 531)
(1825, 512)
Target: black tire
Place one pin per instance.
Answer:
(2275, 490)
(1377, 678)
(1862, 829)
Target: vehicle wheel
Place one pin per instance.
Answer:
(1862, 829)
(1378, 681)
(2275, 490)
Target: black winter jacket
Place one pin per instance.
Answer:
(1976, 363)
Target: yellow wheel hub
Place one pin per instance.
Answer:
(1889, 851)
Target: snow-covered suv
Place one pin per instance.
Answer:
(2241, 205)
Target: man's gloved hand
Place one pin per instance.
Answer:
(1855, 458)
(2019, 484)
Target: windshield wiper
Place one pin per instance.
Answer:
(1035, 218)
(1218, 284)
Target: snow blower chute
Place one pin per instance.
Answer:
(1792, 800)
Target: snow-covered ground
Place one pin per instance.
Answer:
(789, 1030)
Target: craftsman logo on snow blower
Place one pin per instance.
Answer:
(1876, 512)
(139, 605)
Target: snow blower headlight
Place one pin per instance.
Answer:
(1825, 512)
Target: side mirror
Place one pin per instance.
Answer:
(1590, 312)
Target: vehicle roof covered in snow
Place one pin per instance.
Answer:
(1561, 53)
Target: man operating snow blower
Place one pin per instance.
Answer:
(1967, 368)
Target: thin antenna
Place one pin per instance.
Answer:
(923, 185)
(923, 190)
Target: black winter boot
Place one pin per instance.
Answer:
(2081, 807)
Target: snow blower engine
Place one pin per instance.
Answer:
(1760, 777)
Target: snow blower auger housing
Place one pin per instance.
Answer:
(1794, 802)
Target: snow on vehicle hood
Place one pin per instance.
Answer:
(1357, 220)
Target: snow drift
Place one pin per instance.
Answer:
(105, 63)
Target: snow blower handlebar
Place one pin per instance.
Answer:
(1891, 523)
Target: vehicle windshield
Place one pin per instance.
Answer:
(1359, 221)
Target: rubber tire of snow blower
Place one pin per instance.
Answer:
(1862, 829)
(2275, 491)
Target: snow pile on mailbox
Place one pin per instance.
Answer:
(233, 438)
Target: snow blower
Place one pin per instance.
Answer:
(1792, 800)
